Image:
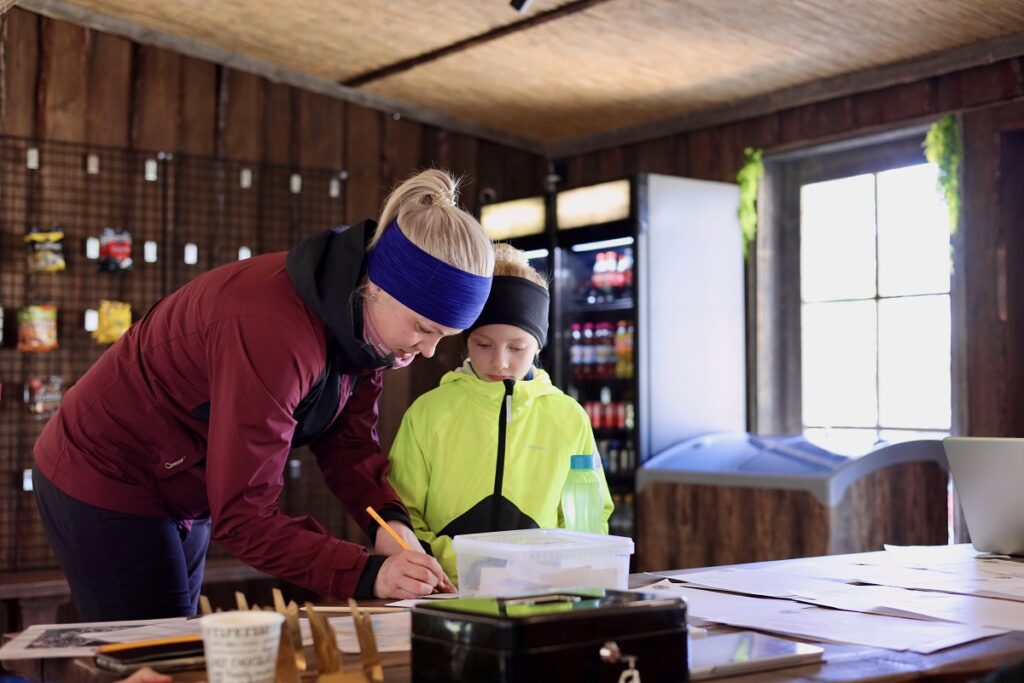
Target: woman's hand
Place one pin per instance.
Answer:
(383, 544)
(411, 574)
(146, 675)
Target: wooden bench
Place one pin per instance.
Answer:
(43, 596)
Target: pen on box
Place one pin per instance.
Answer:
(117, 647)
(387, 527)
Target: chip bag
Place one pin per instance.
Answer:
(37, 328)
(45, 250)
(43, 395)
(115, 319)
(115, 250)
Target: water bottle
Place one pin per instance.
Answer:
(582, 499)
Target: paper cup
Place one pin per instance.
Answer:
(241, 647)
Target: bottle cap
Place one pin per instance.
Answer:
(581, 462)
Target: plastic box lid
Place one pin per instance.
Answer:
(540, 543)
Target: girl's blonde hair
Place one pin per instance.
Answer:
(511, 261)
(426, 206)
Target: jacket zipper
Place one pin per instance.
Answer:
(504, 417)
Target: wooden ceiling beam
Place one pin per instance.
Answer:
(471, 42)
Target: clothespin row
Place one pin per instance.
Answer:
(291, 659)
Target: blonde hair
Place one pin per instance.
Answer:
(426, 206)
(512, 262)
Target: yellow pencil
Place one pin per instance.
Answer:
(117, 647)
(387, 527)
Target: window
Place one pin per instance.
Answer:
(851, 319)
(874, 308)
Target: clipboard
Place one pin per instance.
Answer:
(162, 657)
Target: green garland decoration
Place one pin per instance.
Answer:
(749, 178)
(942, 147)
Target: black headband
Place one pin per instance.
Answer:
(519, 302)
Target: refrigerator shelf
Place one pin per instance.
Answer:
(612, 432)
(594, 381)
(624, 304)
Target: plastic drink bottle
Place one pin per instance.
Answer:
(582, 499)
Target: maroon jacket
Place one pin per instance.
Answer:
(195, 409)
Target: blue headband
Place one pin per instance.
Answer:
(439, 292)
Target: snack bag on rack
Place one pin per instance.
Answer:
(45, 250)
(37, 328)
(115, 250)
(115, 319)
(43, 395)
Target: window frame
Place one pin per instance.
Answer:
(775, 372)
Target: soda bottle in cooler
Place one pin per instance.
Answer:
(625, 269)
(604, 350)
(588, 358)
(575, 350)
(621, 361)
(628, 347)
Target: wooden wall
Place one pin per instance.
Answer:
(62, 82)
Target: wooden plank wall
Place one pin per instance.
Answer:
(988, 97)
(62, 82)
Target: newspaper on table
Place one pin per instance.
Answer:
(44, 641)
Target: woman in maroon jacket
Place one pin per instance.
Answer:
(181, 431)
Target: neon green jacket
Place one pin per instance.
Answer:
(462, 466)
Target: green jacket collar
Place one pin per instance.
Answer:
(523, 393)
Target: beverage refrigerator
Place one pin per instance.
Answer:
(647, 316)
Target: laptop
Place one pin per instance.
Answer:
(989, 477)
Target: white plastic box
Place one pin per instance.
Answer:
(504, 563)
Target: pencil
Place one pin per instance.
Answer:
(117, 647)
(387, 527)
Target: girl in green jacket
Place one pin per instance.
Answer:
(488, 449)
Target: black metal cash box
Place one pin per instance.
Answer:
(576, 635)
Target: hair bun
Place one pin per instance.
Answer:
(442, 198)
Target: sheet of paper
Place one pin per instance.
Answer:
(761, 582)
(81, 640)
(392, 631)
(877, 599)
(931, 555)
(163, 630)
(992, 577)
(790, 618)
(412, 602)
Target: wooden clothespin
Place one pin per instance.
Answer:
(286, 669)
(329, 658)
(204, 605)
(367, 643)
(290, 627)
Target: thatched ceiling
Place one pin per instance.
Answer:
(564, 71)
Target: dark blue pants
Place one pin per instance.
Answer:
(123, 566)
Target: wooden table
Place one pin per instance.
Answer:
(842, 663)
